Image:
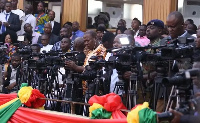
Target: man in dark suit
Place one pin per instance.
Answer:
(175, 24)
(9, 21)
(55, 25)
(52, 37)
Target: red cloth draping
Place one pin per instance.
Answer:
(26, 115)
(111, 102)
(4, 98)
(34, 101)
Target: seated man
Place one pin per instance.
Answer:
(45, 42)
(11, 74)
(48, 31)
(65, 45)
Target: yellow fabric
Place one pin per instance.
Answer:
(24, 94)
(133, 116)
(41, 108)
(8, 103)
(94, 107)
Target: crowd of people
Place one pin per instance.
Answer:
(43, 34)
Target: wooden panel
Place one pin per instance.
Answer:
(21, 4)
(158, 9)
(75, 10)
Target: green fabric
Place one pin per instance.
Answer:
(23, 85)
(8, 111)
(147, 115)
(101, 113)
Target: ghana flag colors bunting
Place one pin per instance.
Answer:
(142, 114)
(106, 107)
(26, 95)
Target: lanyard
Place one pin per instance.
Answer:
(39, 16)
(27, 17)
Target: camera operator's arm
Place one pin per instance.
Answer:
(152, 75)
(180, 118)
(73, 66)
(177, 116)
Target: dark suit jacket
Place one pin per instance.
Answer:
(56, 28)
(15, 24)
(52, 40)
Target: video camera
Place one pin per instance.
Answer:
(178, 48)
(95, 63)
(52, 58)
(183, 78)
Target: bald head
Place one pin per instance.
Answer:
(28, 9)
(175, 24)
(47, 28)
(177, 15)
(75, 26)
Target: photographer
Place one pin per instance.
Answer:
(45, 43)
(154, 32)
(65, 45)
(11, 73)
(175, 24)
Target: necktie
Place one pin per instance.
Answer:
(3, 27)
(73, 38)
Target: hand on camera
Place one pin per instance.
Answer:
(70, 64)
(127, 75)
(177, 116)
(11, 86)
(6, 24)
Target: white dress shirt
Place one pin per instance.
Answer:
(136, 34)
(13, 75)
(3, 19)
(35, 37)
(31, 20)
(114, 76)
(52, 24)
(46, 48)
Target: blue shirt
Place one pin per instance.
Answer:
(75, 35)
(78, 33)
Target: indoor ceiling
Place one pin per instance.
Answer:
(123, 1)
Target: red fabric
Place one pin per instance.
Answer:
(4, 98)
(111, 102)
(26, 115)
(34, 101)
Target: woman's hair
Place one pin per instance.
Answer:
(121, 28)
(12, 34)
(43, 4)
(28, 36)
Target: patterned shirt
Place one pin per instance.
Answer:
(41, 21)
(56, 46)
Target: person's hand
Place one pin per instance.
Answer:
(6, 24)
(11, 86)
(70, 64)
(177, 116)
(127, 75)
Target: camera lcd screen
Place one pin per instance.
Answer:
(20, 38)
(124, 41)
